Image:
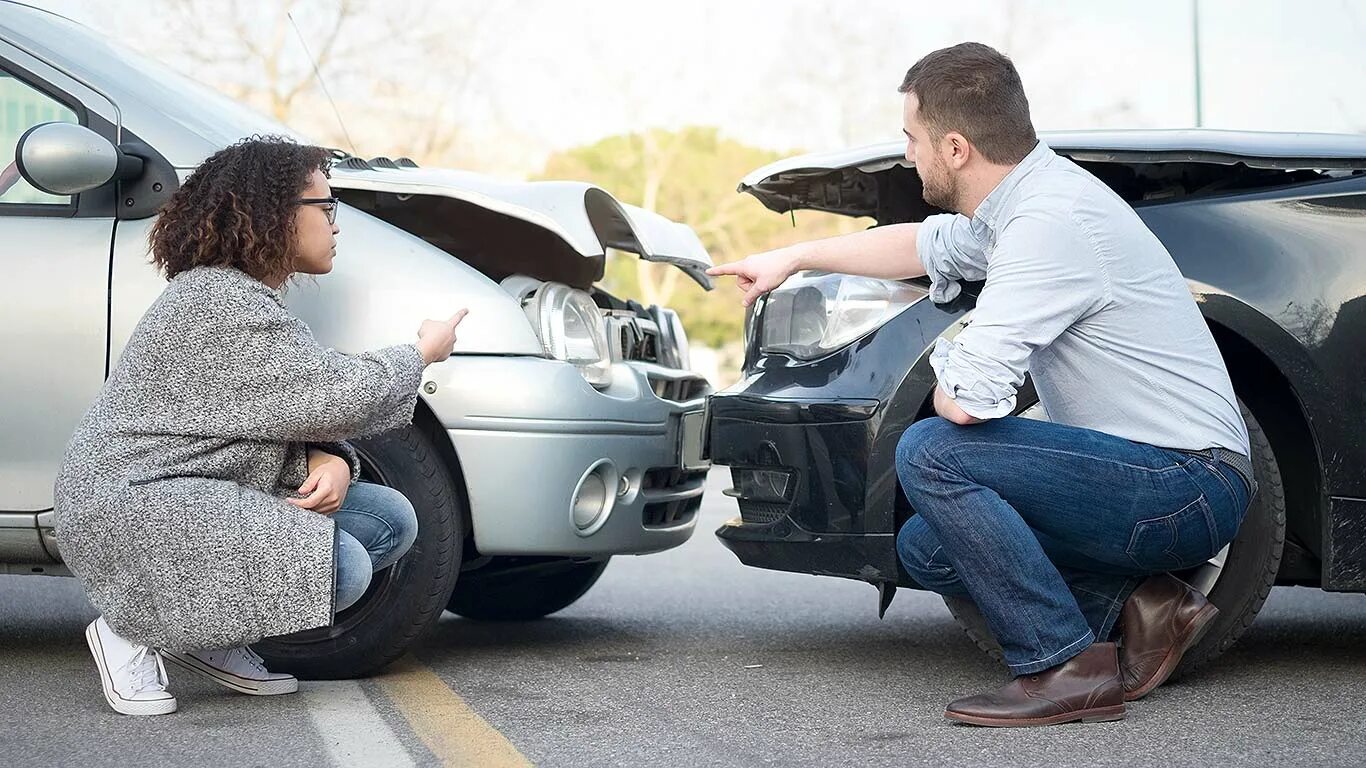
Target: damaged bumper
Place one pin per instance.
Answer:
(556, 467)
(811, 447)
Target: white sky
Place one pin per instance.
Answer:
(819, 74)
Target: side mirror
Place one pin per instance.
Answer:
(67, 159)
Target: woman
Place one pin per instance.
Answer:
(207, 499)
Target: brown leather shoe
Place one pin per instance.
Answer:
(1161, 620)
(1086, 687)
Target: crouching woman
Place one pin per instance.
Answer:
(207, 499)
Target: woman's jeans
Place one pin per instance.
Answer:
(1048, 527)
(375, 527)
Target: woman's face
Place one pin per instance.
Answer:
(315, 238)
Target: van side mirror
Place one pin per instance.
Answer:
(67, 159)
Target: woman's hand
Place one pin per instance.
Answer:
(435, 338)
(329, 477)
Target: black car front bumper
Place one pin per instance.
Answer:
(811, 448)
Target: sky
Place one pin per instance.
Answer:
(821, 74)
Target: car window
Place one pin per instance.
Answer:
(21, 107)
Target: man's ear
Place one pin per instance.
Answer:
(959, 150)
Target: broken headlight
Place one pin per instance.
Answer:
(815, 313)
(570, 327)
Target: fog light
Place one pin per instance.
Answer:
(763, 484)
(593, 497)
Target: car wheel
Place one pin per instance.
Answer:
(1237, 580)
(521, 589)
(405, 599)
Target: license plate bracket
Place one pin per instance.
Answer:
(690, 428)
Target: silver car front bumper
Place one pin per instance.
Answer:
(534, 440)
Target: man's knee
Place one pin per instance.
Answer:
(921, 443)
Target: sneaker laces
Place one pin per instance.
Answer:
(146, 671)
(251, 658)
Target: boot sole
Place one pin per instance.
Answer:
(116, 702)
(231, 681)
(1195, 632)
(1093, 715)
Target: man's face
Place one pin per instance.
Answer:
(939, 180)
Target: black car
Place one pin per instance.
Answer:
(1269, 230)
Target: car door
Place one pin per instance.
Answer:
(54, 299)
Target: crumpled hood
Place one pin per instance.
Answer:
(858, 181)
(585, 219)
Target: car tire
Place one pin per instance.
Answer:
(404, 600)
(1243, 583)
(502, 591)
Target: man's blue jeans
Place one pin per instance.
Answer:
(1048, 527)
(375, 527)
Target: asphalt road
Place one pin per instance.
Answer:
(688, 658)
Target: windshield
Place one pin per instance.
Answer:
(148, 92)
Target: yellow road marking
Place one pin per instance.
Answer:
(443, 721)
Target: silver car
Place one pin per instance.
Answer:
(565, 430)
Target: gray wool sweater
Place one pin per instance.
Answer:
(170, 500)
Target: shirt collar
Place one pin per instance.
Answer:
(990, 210)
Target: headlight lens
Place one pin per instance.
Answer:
(816, 313)
(571, 329)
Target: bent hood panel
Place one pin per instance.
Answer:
(584, 220)
(847, 181)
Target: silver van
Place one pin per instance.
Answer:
(565, 429)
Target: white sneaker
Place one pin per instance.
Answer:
(237, 668)
(132, 676)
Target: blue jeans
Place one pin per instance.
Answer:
(375, 527)
(1048, 527)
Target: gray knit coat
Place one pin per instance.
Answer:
(170, 500)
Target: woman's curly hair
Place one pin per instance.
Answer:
(237, 209)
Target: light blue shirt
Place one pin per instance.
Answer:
(1081, 295)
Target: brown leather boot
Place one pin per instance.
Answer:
(1161, 620)
(1086, 687)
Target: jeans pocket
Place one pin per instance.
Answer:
(1183, 539)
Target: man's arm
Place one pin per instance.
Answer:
(888, 252)
(948, 408)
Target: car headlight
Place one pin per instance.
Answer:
(571, 329)
(673, 341)
(815, 313)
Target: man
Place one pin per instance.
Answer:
(1058, 530)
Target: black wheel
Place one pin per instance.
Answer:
(1237, 580)
(523, 588)
(405, 599)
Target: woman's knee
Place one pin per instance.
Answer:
(353, 567)
(398, 514)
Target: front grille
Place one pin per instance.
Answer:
(761, 512)
(667, 514)
(666, 484)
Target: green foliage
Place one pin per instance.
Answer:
(690, 175)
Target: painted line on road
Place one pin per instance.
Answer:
(456, 734)
(351, 727)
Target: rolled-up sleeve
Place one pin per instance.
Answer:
(1043, 277)
(950, 251)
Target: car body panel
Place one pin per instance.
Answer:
(586, 218)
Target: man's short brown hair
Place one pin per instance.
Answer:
(973, 89)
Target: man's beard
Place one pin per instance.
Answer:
(941, 189)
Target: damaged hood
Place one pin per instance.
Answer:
(850, 181)
(567, 220)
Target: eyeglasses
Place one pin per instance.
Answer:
(329, 206)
